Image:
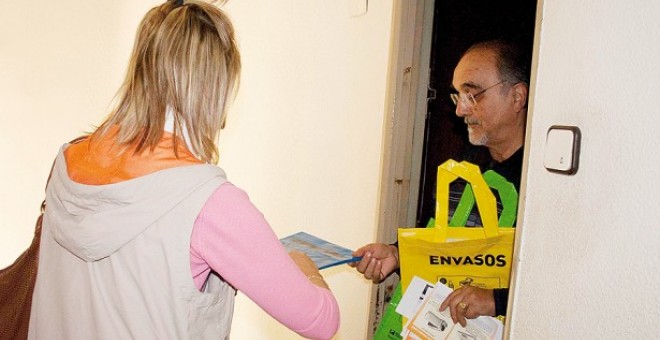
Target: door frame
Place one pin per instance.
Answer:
(405, 115)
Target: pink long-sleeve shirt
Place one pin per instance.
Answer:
(232, 238)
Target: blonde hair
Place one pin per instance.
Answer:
(185, 59)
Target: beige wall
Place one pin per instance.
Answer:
(60, 65)
(589, 256)
(304, 137)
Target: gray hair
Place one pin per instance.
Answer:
(513, 62)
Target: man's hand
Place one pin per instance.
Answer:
(469, 302)
(378, 261)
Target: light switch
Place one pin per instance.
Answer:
(562, 149)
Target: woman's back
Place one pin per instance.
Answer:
(115, 259)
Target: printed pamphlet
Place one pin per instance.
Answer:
(429, 323)
(325, 254)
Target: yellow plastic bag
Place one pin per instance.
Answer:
(458, 256)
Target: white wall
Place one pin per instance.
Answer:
(304, 137)
(588, 258)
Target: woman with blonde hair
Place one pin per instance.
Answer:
(143, 237)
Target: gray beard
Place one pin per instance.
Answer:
(477, 141)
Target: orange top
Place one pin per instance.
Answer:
(101, 161)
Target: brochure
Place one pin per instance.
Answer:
(429, 323)
(325, 254)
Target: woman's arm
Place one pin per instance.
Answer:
(232, 237)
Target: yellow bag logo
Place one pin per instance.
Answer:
(478, 260)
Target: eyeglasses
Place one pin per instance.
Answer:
(469, 99)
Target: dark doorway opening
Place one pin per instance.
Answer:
(457, 24)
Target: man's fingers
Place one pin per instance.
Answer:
(369, 270)
(447, 301)
(364, 263)
(375, 274)
(461, 311)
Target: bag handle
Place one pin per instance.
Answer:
(508, 196)
(486, 203)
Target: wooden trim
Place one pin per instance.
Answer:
(405, 115)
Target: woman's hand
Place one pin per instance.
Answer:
(308, 267)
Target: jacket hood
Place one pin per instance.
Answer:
(95, 221)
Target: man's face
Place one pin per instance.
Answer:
(491, 118)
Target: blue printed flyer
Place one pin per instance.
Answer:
(322, 252)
